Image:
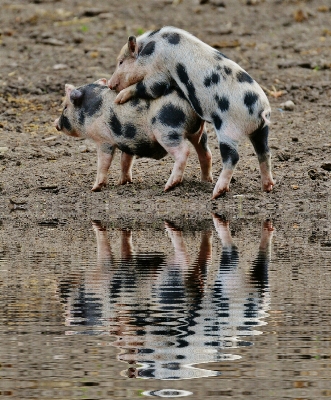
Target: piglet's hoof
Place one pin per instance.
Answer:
(98, 187)
(268, 186)
(220, 192)
(124, 181)
(267, 225)
(123, 96)
(172, 184)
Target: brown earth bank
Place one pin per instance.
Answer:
(46, 177)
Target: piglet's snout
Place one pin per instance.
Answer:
(112, 84)
(56, 124)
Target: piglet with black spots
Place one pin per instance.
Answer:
(143, 128)
(219, 90)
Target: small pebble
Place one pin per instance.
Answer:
(288, 105)
(60, 66)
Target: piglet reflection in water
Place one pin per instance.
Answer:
(168, 314)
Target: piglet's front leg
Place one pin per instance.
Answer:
(105, 156)
(126, 94)
(149, 88)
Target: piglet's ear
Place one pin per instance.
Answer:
(68, 88)
(76, 96)
(132, 45)
(101, 81)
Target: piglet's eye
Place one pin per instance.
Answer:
(120, 63)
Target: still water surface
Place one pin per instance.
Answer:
(227, 310)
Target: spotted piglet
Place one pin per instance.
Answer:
(219, 90)
(143, 128)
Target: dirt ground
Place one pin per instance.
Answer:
(46, 176)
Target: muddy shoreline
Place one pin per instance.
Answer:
(46, 177)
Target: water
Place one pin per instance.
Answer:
(220, 310)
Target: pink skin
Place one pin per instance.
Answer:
(176, 236)
(104, 162)
(205, 158)
(123, 77)
(127, 251)
(222, 228)
(57, 127)
(266, 178)
(266, 235)
(126, 168)
(222, 184)
(180, 155)
(181, 256)
(104, 253)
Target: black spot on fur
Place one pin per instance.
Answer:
(129, 131)
(115, 125)
(173, 38)
(126, 149)
(182, 74)
(141, 91)
(107, 148)
(150, 149)
(243, 77)
(259, 139)
(81, 117)
(153, 120)
(229, 154)
(223, 103)
(159, 88)
(194, 125)
(184, 78)
(154, 32)
(170, 115)
(169, 90)
(134, 102)
(148, 50)
(250, 99)
(172, 139)
(217, 121)
(227, 70)
(65, 123)
(145, 106)
(213, 79)
(219, 56)
(91, 101)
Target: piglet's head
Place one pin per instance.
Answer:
(67, 121)
(128, 71)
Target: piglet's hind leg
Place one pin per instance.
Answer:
(230, 158)
(259, 139)
(126, 168)
(180, 154)
(199, 141)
